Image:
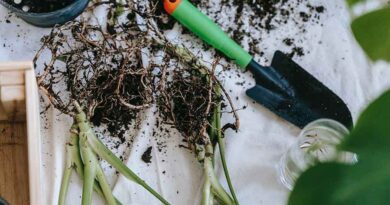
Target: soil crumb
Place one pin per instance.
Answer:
(249, 22)
(147, 155)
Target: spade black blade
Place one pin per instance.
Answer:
(294, 94)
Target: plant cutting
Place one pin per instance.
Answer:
(98, 79)
(192, 101)
(105, 79)
(90, 146)
(215, 134)
(74, 161)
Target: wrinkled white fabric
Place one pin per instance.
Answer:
(252, 154)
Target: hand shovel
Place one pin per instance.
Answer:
(285, 88)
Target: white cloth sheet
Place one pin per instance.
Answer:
(252, 154)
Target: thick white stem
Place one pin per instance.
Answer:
(90, 168)
(71, 147)
(107, 155)
(105, 187)
(64, 185)
(207, 195)
(217, 188)
(92, 142)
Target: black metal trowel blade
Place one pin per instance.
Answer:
(294, 94)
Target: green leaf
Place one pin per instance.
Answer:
(372, 31)
(119, 11)
(365, 183)
(63, 58)
(353, 2)
(372, 131)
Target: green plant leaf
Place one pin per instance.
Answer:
(365, 183)
(63, 58)
(372, 31)
(119, 11)
(353, 2)
(372, 131)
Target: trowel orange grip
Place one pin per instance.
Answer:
(190, 16)
(171, 5)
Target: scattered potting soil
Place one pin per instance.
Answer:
(163, 20)
(185, 99)
(246, 21)
(249, 22)
(40, 6)
(147, 155)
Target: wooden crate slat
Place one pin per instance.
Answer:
(13, 163)
(34, 137)
(19, 94)
(16, 66)
(12, 78)
(13, 102)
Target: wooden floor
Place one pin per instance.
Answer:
(14, 163)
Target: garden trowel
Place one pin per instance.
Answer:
(284, 87)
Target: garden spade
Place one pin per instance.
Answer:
(284, 87)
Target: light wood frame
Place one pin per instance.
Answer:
(15, 77)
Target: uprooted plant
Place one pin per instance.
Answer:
(191, 97)
(192, 102)
(95, 77)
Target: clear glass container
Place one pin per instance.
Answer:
(316, 143)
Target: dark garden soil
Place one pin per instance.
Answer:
(185, 103)
(105, 75)
(262, 16)
(147, 155)
(40, 6)
(188, 102)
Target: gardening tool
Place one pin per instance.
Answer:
(284, 87)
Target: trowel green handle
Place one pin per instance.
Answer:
(188, 15)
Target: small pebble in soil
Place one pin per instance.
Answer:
(26, 8)
(288, 41)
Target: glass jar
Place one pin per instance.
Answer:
(316, 143)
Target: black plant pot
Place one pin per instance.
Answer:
(3, 202)
(49, 19)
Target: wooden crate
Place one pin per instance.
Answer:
(20, 160)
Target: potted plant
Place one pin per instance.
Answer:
(46, 13)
